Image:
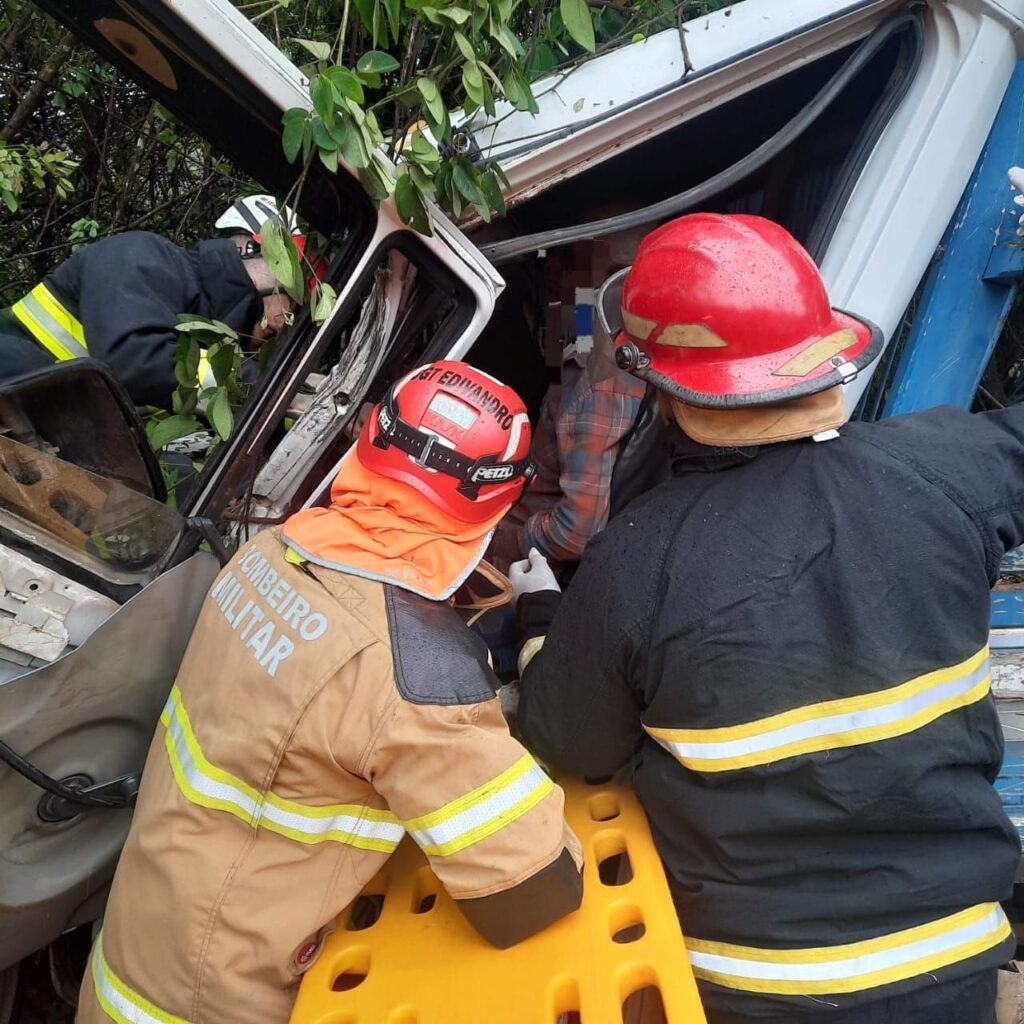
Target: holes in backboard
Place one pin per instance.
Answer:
(351, 969)
(603, 807)
(613, 864)
(365, 911)
(425, 890)
(626, 923)
(645, 1006)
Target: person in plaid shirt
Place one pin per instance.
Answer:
(579, 432)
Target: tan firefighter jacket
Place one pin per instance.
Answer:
(316, 719)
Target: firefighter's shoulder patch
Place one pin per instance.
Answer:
(437, 659)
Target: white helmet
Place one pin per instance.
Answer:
(247, 215)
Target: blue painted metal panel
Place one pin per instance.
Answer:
(1010, 784)
(1007, 609)
(970, 289)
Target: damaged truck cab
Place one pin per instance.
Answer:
(858, 125)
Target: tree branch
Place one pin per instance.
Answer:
(65, 47)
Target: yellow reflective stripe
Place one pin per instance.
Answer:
(483, 811)
(829, 725)
(204, 372)
(62, 316)
(529, 651)
(855, 966)
(203, 783)
(121, 1003)
(291, 555)
(60, 333)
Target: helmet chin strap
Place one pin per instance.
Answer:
(472, 474)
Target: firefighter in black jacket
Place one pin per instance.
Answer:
(118, 301)
(787, 642)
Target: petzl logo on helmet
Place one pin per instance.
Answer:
(492, 474)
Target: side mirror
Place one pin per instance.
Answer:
(78, 411)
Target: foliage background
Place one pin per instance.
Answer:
(84, 153)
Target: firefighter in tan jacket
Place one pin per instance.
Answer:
(330, 701)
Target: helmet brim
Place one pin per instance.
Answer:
(722, 383)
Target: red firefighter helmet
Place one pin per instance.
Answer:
(457, 435)
(726, 311)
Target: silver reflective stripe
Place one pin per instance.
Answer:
(45, 326)
(203, 783)
(838, 723)
(482, 812)
(119, 1002)
(856, 966)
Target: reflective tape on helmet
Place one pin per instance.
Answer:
(529, 651)
(205, 784)
(483, 811)
(53, 326)
(847, 722)
(855, 966)
(121, 1003)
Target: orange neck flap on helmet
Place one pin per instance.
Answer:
(386, 530)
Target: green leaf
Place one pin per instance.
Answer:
(322, 95)
(294, 122)
(346, 83)
(329, 158)
(186, 368)
(462, 174)
(354, 148)
(421, 180)
(410, 205)
(9, 201)
(321, 51)
(432, 14)
(578, 23)
(473, 82)
(162, 432)
(432, 99)
(638, 37)
(370, 79)
(465, 46)
(218, 412)
(282, 257)
(492, 192)
(505, 39)
(455, 14)
(222, 360)
(323, 136)
(377, 62)
(543, 61)
(326, 297)
(365, 8)
(392, 9)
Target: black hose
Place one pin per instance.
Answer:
(502, 252)
(43, 781)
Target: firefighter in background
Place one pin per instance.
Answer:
(788, 643)
(330, 702)
(243, 219)
(118, 300)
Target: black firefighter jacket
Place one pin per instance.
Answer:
(789, 645)
(118, 301)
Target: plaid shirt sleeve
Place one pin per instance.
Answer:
(593, 419)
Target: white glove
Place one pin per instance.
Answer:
(531, 575)
(1016, 176)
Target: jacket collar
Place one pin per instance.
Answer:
(687, 456)
(227, 292)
